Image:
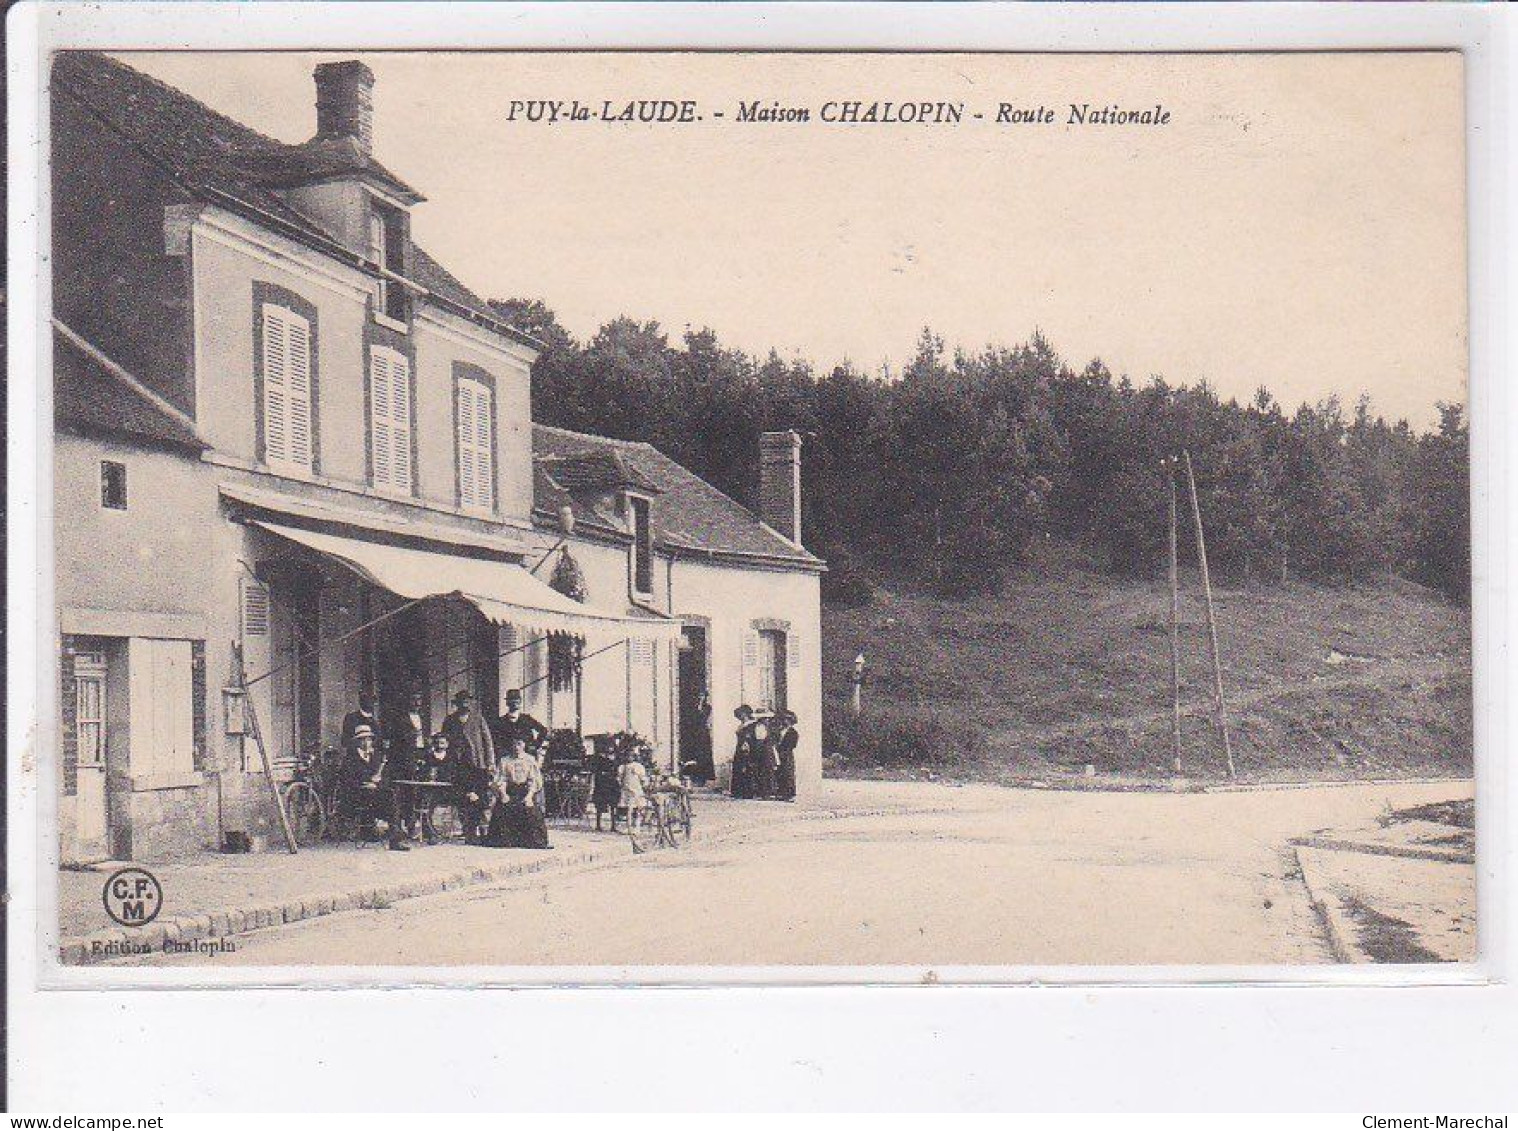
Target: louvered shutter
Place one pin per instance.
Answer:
(793, 651)
(289, 424)
(476, 417)
(255, 609)
(390, 419)
(749, 668)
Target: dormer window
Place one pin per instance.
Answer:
(387, 244)
(643, 545)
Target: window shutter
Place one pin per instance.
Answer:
(748, 682)
(476, 457)
(289, 427)
(390, 419)
(255, 608)
(173, 743)
(793, 650)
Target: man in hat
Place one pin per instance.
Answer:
(364, 716)
(408, 736)
(469, 740)
(517, 725)
(369, 793)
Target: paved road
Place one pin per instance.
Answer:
(970, 876)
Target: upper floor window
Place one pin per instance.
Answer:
(387, 242)
(643, 545)
(390, 420)
(474, 431)
(289, 425)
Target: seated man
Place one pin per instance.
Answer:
(367, 794)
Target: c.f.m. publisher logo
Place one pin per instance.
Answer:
(132, 897)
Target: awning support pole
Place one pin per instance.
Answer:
(250, 713)
(551, 550)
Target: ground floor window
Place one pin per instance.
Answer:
(162, 708)
(771, 692)
(89, 707)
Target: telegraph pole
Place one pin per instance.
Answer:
(1212, 626)
(1175, 626)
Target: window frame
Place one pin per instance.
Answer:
(89, 668)
(290, 305)
(388, 253)
(640, 521)
(376, 353)
(464, 376)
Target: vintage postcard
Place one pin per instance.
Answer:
(654, 510)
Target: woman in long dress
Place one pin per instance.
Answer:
(785, 748)
(519, 821)
(743, 754)
(762, 734)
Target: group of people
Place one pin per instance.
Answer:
(491, 772)
(764, 759)
(621, 777)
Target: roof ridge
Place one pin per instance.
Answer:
(597, 437)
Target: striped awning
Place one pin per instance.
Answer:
(504, 591)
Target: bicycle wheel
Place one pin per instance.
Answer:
(646, 829)
(308, 819)
(677, 820)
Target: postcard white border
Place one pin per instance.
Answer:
(1082, 1035)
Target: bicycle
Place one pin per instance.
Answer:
(306, 802)
(666, 820)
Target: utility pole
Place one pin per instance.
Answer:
(1212, 626)
(1175, 625)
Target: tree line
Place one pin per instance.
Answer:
(949, 471)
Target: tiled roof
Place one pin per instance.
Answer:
(601, 470)
(689, 514)
(215, 156)
(89, 394)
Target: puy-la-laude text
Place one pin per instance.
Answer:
(836, 112)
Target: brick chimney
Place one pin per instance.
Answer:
(345, 103)
(780, 483)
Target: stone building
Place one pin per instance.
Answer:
(294, 452)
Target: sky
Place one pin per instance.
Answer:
(1298, 224)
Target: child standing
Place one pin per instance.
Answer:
(632, 780)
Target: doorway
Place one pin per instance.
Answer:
(695, 705)
(91, 813)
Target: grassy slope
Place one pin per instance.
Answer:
(1072, 667)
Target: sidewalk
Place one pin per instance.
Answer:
(214, 895)
(1399, 889)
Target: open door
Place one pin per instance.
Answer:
(695, 705)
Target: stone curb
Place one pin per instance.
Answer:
(1340, 932)
(108, 944)
(1372, 848)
